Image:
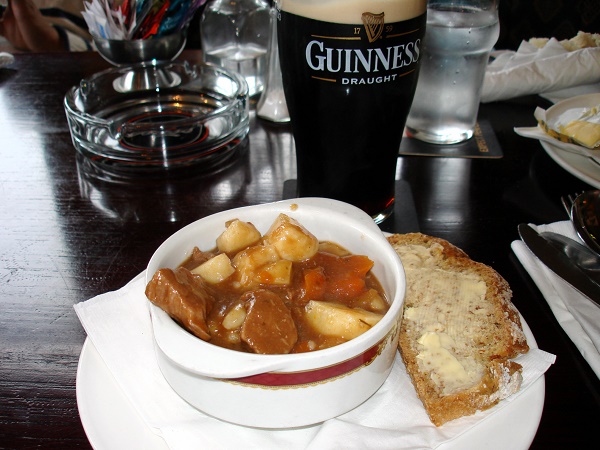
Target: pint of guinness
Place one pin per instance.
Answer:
(349, 72)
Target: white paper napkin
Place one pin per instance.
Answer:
(118, 324)
(539, 134)
(578, 316)
(547, 71)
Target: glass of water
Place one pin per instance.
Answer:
(460, 35)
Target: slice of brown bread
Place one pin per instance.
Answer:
(459, 329)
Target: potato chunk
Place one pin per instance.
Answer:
(215, 269)
(278, 273)
(370, 300)
(249, 262)
(292, 241)
(237, 235)
(332, 319)
(334, 249)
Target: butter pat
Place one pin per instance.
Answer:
(446, 370)
(579, 126)
(586, 133)
(444, 318)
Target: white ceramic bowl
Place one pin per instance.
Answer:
(282, 391)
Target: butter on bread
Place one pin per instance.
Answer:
(459, 329)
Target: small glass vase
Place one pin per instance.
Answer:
(272, 105)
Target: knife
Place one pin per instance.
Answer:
(584, 258)
(559, 263)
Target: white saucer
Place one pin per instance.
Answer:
(583, 167)
(111, 422)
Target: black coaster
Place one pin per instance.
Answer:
(483, 144)
(402, 220)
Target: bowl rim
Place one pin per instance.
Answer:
(190, 352)
(585, 100)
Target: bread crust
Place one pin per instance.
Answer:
(504, 338)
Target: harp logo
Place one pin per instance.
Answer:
(373, 25)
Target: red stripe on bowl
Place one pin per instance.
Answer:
(311, 376)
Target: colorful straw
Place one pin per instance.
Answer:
(138, 19)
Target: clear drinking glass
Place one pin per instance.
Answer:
(349, 70)
(271, 105)
(235, 35)
(460, 35)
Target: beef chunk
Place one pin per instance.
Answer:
(196, 258)
(269, 327)
(184, 297)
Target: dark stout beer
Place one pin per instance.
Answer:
(349, 87)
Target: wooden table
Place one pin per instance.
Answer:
(65, 238)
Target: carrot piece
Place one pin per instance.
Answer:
(346, 278)
(348, 286)
(359, 264)
(314, 283)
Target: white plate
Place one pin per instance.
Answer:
(564, 112)
(111, 422)
(577, 102)
(583, 167)
(582, 162)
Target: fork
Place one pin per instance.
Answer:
(567, 202)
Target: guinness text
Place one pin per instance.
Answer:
(353, 61)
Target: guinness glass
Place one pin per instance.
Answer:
(349, 71)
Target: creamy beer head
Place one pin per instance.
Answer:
(350, 11)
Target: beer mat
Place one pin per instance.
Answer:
(404, 217)
(483, 144)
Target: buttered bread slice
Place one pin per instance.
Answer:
(459, 329)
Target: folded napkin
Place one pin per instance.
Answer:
(6, 59)
(118, 324)
(539, 134)
(578, 316)
(548, 71)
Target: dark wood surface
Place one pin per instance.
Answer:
(66, 237)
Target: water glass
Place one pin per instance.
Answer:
(235, 35)
(458, 40)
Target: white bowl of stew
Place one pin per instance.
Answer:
(282, 390)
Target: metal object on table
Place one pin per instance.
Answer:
(559, 263)
(584, 211)
(586, 218)
(584, 258)
(567, 202)
(126, 52)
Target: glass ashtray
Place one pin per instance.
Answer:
(153, 117)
